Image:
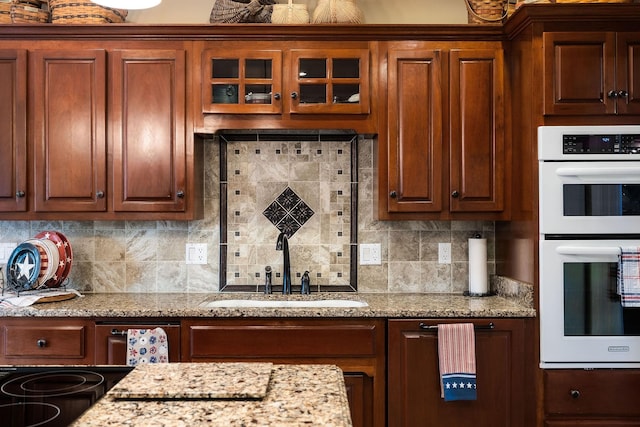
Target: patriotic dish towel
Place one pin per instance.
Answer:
(629, 277)
(457, 356)
(147, 346)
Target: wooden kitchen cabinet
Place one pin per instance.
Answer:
(297, 81)
(357, 346)
(13, 130)
(69, 130)
(108, 133)
(594, 398)
(46, 341)
(414, 379)
(148, 129)
(591, 73)
(443, 155)
(111, 339)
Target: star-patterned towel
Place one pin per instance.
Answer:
(457, 356)
(629, 277)
(147, 346)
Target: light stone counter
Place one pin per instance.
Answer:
(296, 395)
(188, 305)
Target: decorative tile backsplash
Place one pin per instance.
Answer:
(148, 256)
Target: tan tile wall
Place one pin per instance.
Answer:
(139, 256)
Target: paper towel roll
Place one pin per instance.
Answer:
(478, 278)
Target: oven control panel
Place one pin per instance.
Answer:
(601, 144)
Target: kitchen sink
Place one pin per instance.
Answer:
(280, 303)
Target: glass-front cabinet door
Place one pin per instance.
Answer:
(334, 81)
(242, 81)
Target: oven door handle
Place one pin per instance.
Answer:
(608, 175)
(588, 250)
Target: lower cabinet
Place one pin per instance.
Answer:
(46, 341)
(592, 398)
(414, 377)
(111, 340)
(357, 346)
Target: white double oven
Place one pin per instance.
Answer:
(589, 180)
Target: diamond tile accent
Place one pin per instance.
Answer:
(288, 212)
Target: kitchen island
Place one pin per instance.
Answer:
(295, 395)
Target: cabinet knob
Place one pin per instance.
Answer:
(294, 95)
(180, 194)
(575, 393)
(612, 94)
(41, 343)
(20, 194)
(455, 194)
(100, 194)
(276, 96)
(393, 194)
(623, 94)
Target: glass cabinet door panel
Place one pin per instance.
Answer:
(348, 68)
(258, 68)
(312, 68)
(346, 93)
(313, 94)
(224, 94)
(257, 94)
(225, 68)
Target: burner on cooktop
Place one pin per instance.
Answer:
(52, 383)
(41, 413)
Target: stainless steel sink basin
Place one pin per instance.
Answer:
(275, 303)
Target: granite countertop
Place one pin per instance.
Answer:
(380, 305)
(295, 395)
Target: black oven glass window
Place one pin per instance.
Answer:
(601, 199)
(591, 303)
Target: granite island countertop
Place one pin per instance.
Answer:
(295, 395)
(379, 305)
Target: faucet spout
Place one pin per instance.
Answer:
(283, 245)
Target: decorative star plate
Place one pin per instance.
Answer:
(23, 267)
(65, 256)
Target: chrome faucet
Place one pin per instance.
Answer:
(283, 245)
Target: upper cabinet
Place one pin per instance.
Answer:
(443, 154)
(147, 112)
(107, 133)
(13, 130)
(69, 138)
(591, 73)
(298, 85)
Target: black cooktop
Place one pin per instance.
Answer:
(52, 396)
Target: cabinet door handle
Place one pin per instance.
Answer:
(455, 194)
(294, 95)
(612, 94)
(426, 327)
(276, 96)
(100, 194)
(41, 343)
(20, 194)
(623, 94)
(180, 194)
(393, 194)
(575, 393)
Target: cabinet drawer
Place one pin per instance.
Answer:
(111, 341)
(45, 341)
(595, 392)
(283, 340)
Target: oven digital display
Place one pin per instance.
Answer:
(601, 144)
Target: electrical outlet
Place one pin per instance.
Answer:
(370, 254)
(444, 253)
(196, 253)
